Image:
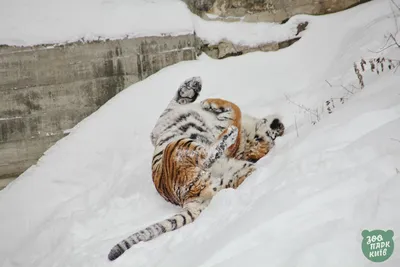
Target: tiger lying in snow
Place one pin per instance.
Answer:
(200, 149)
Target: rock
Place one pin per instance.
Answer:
(267, 10)
(226, 49)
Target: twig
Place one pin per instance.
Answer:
(394, 139)
(302, 107)
(391, 37)
(397, 171)
(383, 49)
(394, 40)
(295, 123)
(328, 83)
(347, 89)
(394, 3)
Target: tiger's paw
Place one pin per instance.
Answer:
(216, 105)
(189, 90)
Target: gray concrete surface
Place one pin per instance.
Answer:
(45, 90)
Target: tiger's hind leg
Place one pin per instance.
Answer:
(228, 114)
(181, 172)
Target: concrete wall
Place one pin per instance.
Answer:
(45, 90)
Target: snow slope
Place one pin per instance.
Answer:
(305, 206)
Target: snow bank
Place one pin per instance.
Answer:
(27, 22)
(245, 33)
(306, 205)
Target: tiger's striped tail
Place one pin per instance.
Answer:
(188, 215)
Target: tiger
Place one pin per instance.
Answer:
(201, 148)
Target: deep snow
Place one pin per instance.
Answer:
(306, 205)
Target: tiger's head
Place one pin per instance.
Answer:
(262, 138)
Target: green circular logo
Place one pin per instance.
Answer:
(377, 245)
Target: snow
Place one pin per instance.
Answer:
(71, 21)
(27, 22)
(246, 33)
(306, 205)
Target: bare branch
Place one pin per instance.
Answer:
(383, 49)
(394, 40)
(347, 89)
(394, 3)
(328, 83)
(303, 107)
(394, 139)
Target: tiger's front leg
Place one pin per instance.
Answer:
(228, 114)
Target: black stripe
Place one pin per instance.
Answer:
(191, 215)
(173, 223)
(184, 128)
(177, 144)
(127, 245)
(163, 230)
(120, 247)
(224, 118)
(184, 218)
(183, 117)
(166, 139)
(179, 119)
(221, 128)
(151, 232)
(236, 172)
(156, 161)
(189, 142)
(158, 154)
(200, 137)
(142, 235)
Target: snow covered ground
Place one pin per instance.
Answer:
(28, 22)
(306, 205)
(245, 33)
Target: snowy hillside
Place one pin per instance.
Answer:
(330, 177)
